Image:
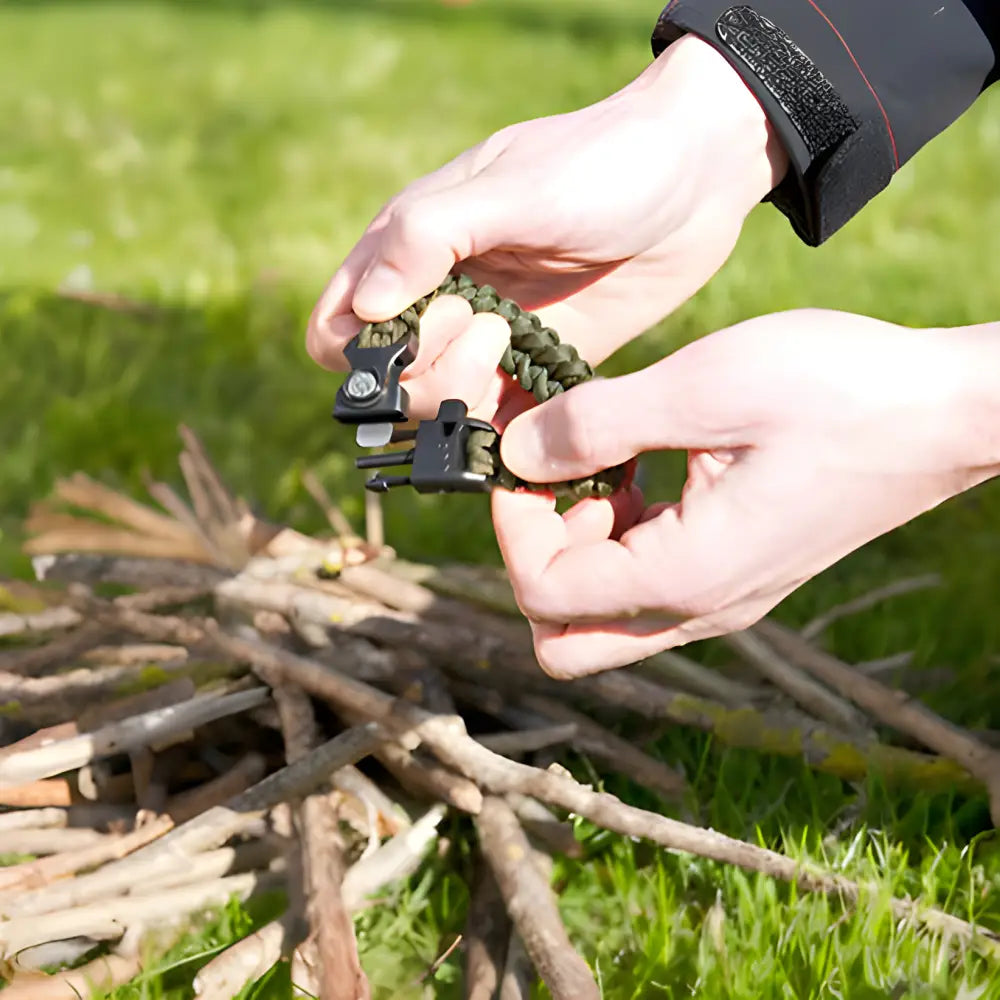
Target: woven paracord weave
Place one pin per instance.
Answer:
(535, 357)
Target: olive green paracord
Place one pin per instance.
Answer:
(535, 357)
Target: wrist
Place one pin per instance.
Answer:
(707, 108)
(978, 408)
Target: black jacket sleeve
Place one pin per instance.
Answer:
(853, 88)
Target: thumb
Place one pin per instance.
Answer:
(427, 235)
(605, 422)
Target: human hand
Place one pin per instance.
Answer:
(602, 221)
(808, 433)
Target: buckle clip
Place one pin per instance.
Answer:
(438, 458)
(371, 393)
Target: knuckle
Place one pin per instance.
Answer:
(579, 430)
(412, 222)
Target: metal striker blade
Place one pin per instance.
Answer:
(373, 435)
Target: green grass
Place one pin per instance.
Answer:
(217, 160)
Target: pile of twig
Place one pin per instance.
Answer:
(200, 706)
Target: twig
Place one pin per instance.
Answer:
(159, 871)
(334, 515)
(427, 779)
(248, 770)
(396, 859)
(885, 664)
(50, 620)
(108, 920)
(128, 571)
(818, 700)
(55, 817)
(542, 824)
(865, 601)
(453, 746)
(487, 930)
(894, 708)
(140, 731)
(531, 904)
(678, 670)
(524, 741)
(97, 978)
(49, 841)
(225, 976)
(374, 521)
(32, 874)
(340, 974)
(611, 750)
(518, 973)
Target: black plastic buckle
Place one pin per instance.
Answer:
(371, 394)
(437, 458)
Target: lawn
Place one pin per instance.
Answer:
(214, 161)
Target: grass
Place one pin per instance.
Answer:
(217, 160)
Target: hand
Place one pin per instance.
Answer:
(602, 220)
(809, 433)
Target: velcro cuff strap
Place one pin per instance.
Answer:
(839, 160)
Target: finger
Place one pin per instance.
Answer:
(333, 321)
(570, 651)
(466, 369)
(589, 521)
(425, 236)
(555, 581)
(675, 403)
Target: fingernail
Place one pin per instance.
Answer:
(379, 292)
(521, 447)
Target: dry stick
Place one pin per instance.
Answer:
(334, 515)
(785, 734)
(341, 976)
(208, 829)
(49, 841)
(427, 779)
(542, 824)
(50, 620)
(33, 874)
(487, 930)
(894, 708)
(97, 978)
(454, 747)
(865, 601)
(139, 731)
(523, 741)
(389, 814)
(590, 737)
(814, 697)
(247, 771)
(83, 492)
(165, 495)
(398, 858)
(108, 920)
(226, 507)
(532, 904)
(518, 973)
(45, 701)
(63, 649)
(89, 634)
(609, 749)
(225, 976)
(128, 571)
(678, 670)
(161, 871)
(469, 654)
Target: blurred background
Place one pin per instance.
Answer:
(179, 180)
